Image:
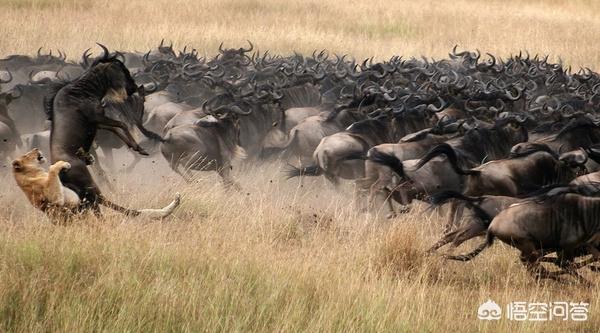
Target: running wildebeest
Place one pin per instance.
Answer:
(77, 112)
(564, 220)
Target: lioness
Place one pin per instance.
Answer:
(46, 192)
(43, 189)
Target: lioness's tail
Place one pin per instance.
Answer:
(151, 213)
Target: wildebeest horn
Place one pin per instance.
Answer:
(233, 108)
(34, 81)
(145, 59)
(389, 98)
(162, 41)
(221, 48)
(499, 108)
(248, 50)
(150, 88)
(431, 107)
(10, 77)
(39, 52)
(514, 97)
(120, 55)
(521, 118)
(105, 50)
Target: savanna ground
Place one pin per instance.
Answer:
(276, 256)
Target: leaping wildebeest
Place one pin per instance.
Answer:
(77, 112)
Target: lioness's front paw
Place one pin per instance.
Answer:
(64, 165)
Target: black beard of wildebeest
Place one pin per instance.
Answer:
(77, 112)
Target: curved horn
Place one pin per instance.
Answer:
(120, 55)
(248, 50)
(221, 48)
(511, 97)
(34, 81)
(431, 107)
(146, 59)
(105, 50)
(233, 108)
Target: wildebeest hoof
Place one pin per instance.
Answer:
(86, 157)
(404, 210)
(142, 152)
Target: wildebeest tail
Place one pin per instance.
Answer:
(489, 240)
(312, 170)
(289, 148)
(445, 149)
(388, 160)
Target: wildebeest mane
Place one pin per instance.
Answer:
(55, 87)
(369, 128)
(549, 194)
(581, 122)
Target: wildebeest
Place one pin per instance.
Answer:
(77, 111)
(432, 173)
(562, 220)
(342, 154)
(210, 143)
(379, 178)
(484, 208)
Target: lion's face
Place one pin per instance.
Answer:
(32, 160)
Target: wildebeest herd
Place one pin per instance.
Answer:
(515, 141)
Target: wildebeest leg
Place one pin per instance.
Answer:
(79, 179)
(228, 180)
(473, 229)
(99, 170)
(108, 154)
(132, 165)
(454, 214)
(113, 126)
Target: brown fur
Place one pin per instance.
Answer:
(44, 190)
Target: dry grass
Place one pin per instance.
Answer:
(381, 28)
(276, 256)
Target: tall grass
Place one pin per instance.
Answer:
(380, 28)
(276, 256)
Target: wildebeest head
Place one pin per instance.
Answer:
(7, 97)
(115, 76)
(131, 112)
(512, 129)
